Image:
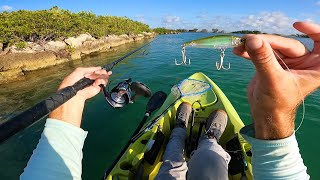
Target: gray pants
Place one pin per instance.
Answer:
(209, 161)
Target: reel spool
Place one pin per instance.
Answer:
(122, 94)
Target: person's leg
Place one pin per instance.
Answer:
(210, 160)
(174, 165)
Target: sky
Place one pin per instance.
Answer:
(272, 16)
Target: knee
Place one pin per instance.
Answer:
(206, 164)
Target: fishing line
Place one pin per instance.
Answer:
(298, 87)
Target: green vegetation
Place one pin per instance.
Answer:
(204, 30)
(215, 30)
(182, 30)
(21, 45)
(70, 48)
(247, 32)
(163, 30)
(193, 30)
(44, 25)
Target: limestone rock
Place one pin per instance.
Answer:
(148, 34)
(27, 61)
(15, 49)
(89, 47)
(14, 61)
(124, 36)
(5, 51)
(73, 42)
(76, 55)
(114, 40)
(85, 37)
(138, 38)
(78, 41)
(55, 46)
(35, 47)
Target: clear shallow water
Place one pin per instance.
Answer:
(109, 129)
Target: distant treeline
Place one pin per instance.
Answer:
(214, 30)
(247, 32)
(44, 25)
(171, 31)
(163, 30)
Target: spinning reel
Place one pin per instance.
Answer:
(121, 94)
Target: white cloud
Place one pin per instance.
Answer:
(270, 22)
(173, 22)
(5, 8)
(318, 3)
(171, 19)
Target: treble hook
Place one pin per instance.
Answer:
(219, 66)
(184, 58)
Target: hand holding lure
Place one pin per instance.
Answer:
(216, 42)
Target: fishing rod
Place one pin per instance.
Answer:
(43, 108)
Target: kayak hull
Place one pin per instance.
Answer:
(135, 162)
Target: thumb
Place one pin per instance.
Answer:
(262, 56)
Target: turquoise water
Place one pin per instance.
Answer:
(109, 129)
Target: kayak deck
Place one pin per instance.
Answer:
(135, 163)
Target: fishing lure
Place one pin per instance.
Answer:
(216, 42)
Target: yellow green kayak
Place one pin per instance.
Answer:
(143, 158)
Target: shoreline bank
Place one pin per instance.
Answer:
(14, 61)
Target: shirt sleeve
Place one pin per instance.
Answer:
(58, 154)
(275, 159)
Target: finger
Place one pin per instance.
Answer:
(98, 82)
(261, 54)
(87, 70)
(101, 71)
(287, 46)
(310, 29)
(245, 54)
(241, 51)
(97, 76)
(284, 47)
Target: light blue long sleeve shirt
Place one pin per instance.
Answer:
(275, 159)
(59, 155)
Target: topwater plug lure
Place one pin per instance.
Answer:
(216, 42)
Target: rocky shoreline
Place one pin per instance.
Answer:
(14, 61)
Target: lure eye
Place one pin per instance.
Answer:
(242, 40)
